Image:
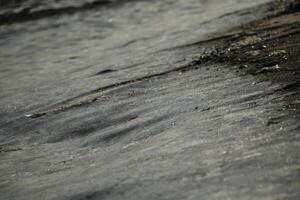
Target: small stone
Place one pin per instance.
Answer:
(243, 66)
(253, 53)
(278, 52)
(35, 115)
(206, 109)
(269, 69)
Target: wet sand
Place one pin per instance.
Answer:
(152, 100)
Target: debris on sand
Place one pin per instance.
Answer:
(263, 47)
